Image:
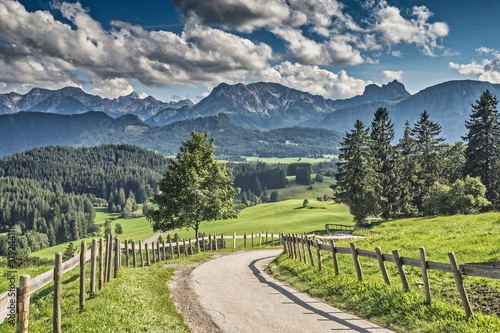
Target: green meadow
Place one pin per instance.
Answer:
(289, 160)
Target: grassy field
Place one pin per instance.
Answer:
(285, 216)
(473, 238)
(289, 160)
(299, 191)
(134, 228)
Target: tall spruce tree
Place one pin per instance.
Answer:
(428, 146)
(382, 134)
(483, 150)
(358, 183)
(406, 176)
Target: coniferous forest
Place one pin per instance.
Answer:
(421, 175)
(48, 194)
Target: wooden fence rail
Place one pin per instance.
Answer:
(107, 262)
(487, 270)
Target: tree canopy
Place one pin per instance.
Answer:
(194, 188)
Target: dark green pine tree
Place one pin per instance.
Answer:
(428, 146)
(358, 183)
(382, 134)
(483, 150)
(406, 175)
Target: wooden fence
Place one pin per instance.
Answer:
(331, 228)
(299, 247)
(105, 260)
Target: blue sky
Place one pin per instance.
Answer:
(183, 48)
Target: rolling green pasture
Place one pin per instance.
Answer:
(299, 191)
(473, 238)
(289, 160)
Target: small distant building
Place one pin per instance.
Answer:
(133, 214)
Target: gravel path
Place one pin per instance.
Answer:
(234, 294)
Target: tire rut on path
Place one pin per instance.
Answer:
(236, 294)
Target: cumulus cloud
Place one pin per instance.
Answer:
(112, 88)
(392, 75)
(485, 70)
(36, 43)
(394, 28)
(241, 14)
(312, 79)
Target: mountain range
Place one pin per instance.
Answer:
(258, 106)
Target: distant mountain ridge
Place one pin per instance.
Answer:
(73, 100)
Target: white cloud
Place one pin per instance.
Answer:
(392, 75)
(485, 70)
(112, 88)
(395, 29)
(397, 54)
(312, 79)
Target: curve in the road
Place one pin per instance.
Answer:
(240, 297)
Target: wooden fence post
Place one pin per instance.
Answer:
(164, 250)
(134, 254)
(318, 249)
(203, 241)
(283, 241)
(158, 248)
(298, 246)
(425, 275)
(178, 249)
(153, 251)
(309, 250)
(146, 247)
(101, 262)
(401, 270)
(252, 239)
(272, 239)
(93, 255)
(260, 238)
(335, 258)
(303, 245)
(460, 285)
(140, 252)
(83, 255)
(215, 241)
(355, 258)
(190, 246)
(56, 312)
(109, 255)
(185, 248)
(234, 240)
(126, 253)
(381, 263)
(266, 239)
(210, 242)
(245, 240)
(198, 242)
(23, 304)
(117, 257)
(171, 249)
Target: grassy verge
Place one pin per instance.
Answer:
(472, 238)
(137, 301)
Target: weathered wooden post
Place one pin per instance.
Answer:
(171, 249)
(159, 250)
(309, 250)
(335, 258)
(153, 251)
(23, 304)
(215, 241)
(56, 316)
(140, 252)
(83, 255)
(134, 254)
(164, 250)
(223, 245)
(101, 262)
(355, 258)
(117, 257)
(318, 249)
(260, 238)
(381, 263)
(245, 240)
(298, 246)
(460, 285)
(401, 270)
(190, 246)
(197, 242)
(252, 239)
(178, 249)
(185, 248)
(146, 247)
(272, 239)
(425, 275)
(234, 240)
(126, 253)
(109, 255)
(93, 255)
(282, 238)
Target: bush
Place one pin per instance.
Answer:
(118, 229)
(305, 203)
(467, 196)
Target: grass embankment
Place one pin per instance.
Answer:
(134, 228)
(472, 238)
(137, 301)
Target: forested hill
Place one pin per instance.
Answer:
(27, 130)
(48, 193)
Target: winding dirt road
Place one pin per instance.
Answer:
(238, 296)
